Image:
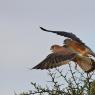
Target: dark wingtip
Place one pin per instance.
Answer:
(35, 67)
(31, 68)
(43, 29)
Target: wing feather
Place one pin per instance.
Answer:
(65, 34)
(54, 60)
(72, 36)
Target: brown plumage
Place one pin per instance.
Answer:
(72, 50)
(59, 56)
(73, 37)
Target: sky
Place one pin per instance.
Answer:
(22, 43)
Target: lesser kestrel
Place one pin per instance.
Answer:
(72, 50)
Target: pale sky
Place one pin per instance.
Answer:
(22, 43)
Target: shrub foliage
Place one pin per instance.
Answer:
(73, 82)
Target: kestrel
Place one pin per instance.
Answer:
(72, 50)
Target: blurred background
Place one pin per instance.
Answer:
(22, 43)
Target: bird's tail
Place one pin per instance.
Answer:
(87, 64)
(93, 66)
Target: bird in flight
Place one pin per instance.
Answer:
(72, 50)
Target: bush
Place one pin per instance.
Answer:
(74, 82)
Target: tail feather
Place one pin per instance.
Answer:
(93, 66)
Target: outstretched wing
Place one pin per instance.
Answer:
(65, 34)
(54, 60)
(72, 36)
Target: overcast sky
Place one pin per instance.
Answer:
(22, 43)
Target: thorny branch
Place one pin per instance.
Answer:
(76, 85)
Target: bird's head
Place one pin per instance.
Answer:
(55, 47)
(67, 41)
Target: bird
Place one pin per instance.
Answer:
(72, 50)
(73, 41)
(59, 56)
